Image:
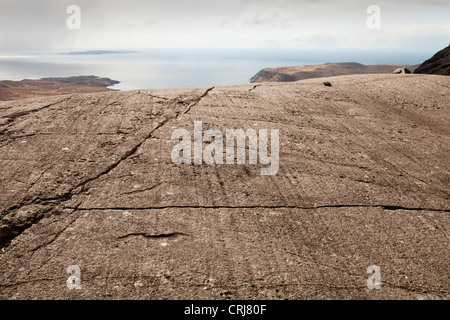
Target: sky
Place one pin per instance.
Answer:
(31, 26)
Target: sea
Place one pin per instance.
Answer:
(181, 68)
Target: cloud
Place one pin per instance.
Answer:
(40, 25)
(411, 37)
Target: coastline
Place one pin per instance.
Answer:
(32, 88)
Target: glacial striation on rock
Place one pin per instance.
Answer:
(87, 183)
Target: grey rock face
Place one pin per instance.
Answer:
(87, 180)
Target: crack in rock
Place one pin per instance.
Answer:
(384, 207)
(153, 235)
(13, 116)
(254, 87)
(11, 230)
(198, 100)
(57, 234)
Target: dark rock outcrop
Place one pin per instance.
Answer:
(438, 64)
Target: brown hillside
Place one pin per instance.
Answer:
(16, 90)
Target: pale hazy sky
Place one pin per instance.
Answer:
(40, 25)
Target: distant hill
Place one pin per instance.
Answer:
(15, 90)
(288, 74)
(438, 64)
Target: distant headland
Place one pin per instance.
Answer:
(15, 90)
(295, 73)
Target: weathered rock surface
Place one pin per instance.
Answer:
(295, 73)
(88, 180)
(437, 64)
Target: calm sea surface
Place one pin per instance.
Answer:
(177, 68)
